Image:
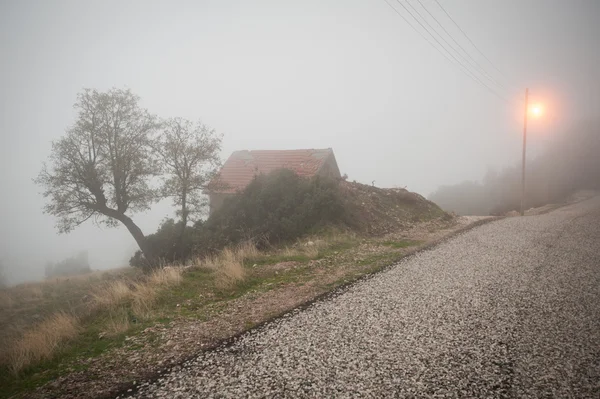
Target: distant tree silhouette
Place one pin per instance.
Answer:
(72, 266)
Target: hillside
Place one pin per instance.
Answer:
(377, 211)
(116, 328)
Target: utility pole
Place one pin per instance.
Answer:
(524, 152)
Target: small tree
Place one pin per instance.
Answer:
(190, 158)
(103, 166)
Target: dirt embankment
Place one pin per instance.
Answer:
(377, 211)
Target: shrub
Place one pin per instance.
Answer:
(274, 208)
(165, 246)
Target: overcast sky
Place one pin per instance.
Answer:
(345, 74)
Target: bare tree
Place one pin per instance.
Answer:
(102, 167)
(190, 158)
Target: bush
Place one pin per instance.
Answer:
(274, 208)
(165, 246)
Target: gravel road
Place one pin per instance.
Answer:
(510, 309)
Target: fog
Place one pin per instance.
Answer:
(568, 169)
(350, 75)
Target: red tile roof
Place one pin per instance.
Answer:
(241, 167)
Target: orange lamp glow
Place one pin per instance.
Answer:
(536, 110)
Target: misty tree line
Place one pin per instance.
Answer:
(78, 264)
(118, 159)
(570, 163)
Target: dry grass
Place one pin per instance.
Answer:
(166, 276)
(229, 264)
(238, 254)
(23, 293)
(118, 322)
(6, 300)
(230, 271)
(143, 298)
(119, 294)
(290, 252)
(41, 342)
(312, 251)
(141, 295)
(111, 294)
(246, 250)
(208, 263)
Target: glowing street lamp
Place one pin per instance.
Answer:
(536, 110)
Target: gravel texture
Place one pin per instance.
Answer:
(509, 309)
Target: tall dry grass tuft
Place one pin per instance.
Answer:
(111, 294)
(41, 342)
(239, 254)
(246, 250)
(290, 252)
(230, 271)
(143, 297)
(311, 251)
(207, 263)
(166, 276)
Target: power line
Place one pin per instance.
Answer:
(423, 36)
(462, 67)
(470, 59)
(469, 39)
(415, 29)
(445, 41)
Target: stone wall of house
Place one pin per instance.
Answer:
(330, 168)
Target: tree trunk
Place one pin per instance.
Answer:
(137, 234)
(184, 218)
(135, 231)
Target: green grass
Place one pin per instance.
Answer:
(401, 244)
(263, 260)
